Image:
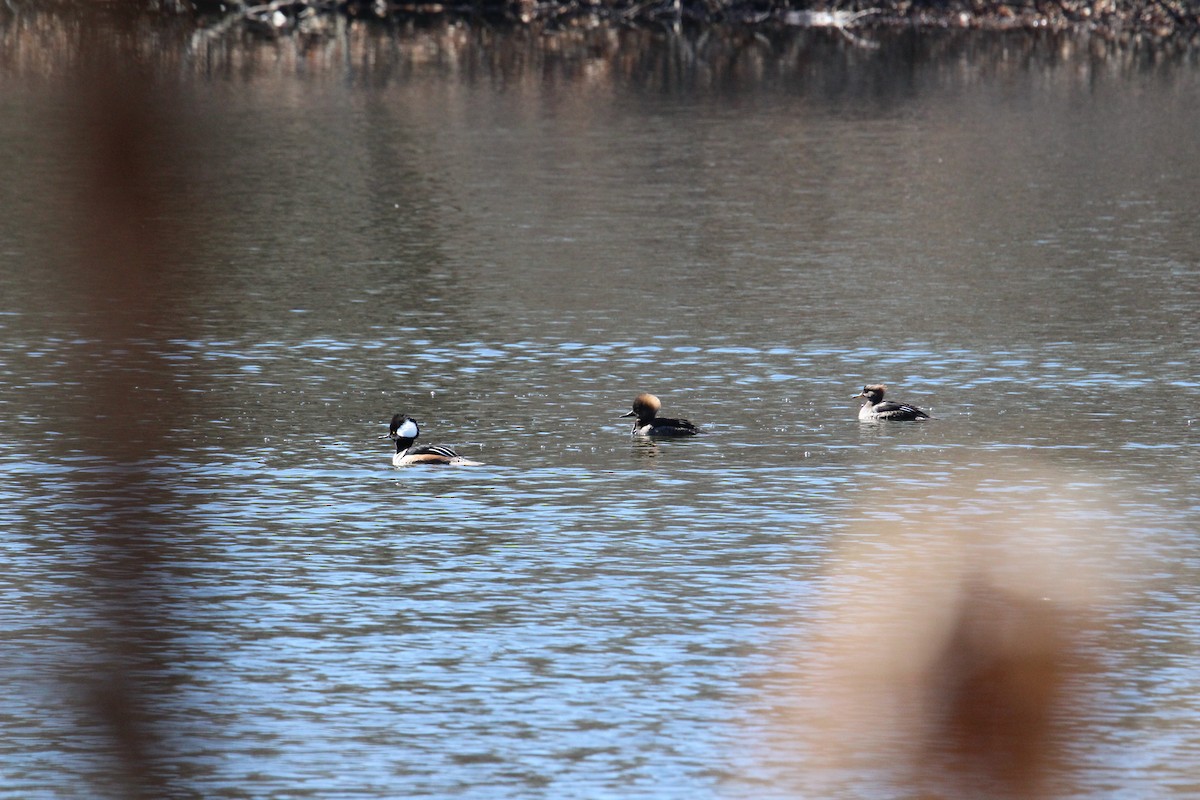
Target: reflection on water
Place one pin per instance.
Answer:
(508, 240)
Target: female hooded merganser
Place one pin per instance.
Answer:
(405, 431)
(878, 408)
(645, 408)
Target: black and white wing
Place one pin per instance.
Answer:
(433, 450)
(889, 409)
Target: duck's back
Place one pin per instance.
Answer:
(889, 409)
(430, 455)
(666, 426)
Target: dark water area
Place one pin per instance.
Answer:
(508, 237)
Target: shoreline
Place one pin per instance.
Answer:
(1122, 21)
(1116, 19)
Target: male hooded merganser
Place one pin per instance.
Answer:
(878, 408)
(405, 431)
(645, 408)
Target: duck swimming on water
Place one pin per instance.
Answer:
(405, 431)
(648, 423)
(876, 407)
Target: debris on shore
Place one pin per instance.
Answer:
(1110, 18)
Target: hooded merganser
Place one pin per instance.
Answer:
(645, 408)
(405, 431)
(878, 408)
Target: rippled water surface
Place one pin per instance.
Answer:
(509, 252)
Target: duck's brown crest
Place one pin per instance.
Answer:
(647, 400)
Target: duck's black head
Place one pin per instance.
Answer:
(402, 427)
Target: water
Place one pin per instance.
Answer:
(509, 245)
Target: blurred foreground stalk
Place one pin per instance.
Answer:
(117, 282)
(961, 657)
